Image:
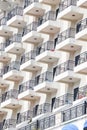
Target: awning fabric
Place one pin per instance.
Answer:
(70, 127)
(85, 126)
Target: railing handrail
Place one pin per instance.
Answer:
(18, 10)
(30, 27)
(66, 3)
(2, 47)
(16, 38)
(3, 21)
(63, 99)
(49, 45)
(68, 33)
(14, 65)
(66, 117)
(29, 2)
(13, 93)
(81, 58)
(45, 76)
(82, 24)
(26, 85)
(25, 116)
(28, 56)
(9, 123)
(67, 65)
(50, 15)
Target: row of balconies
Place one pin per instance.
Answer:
(39, 124)
(74, 112)
(37, 110)
(67, 69)
(65, 72)
(48, 121)
(10, 99)
(65, 42)
(33, 7)
(48, 20)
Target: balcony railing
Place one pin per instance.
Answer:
(16, 38)
(32, 126)
(28, 56)
(2, 47)
(79, 59)
(3, 21)
(81, 25)
(49, 45)
(47, 122)
(16, 11)
(66, 3)
(42, 109)
(51, 15)
(63, 100)
(10, 123)
(69, 33)
(29, 2)
(12, 94)
(82, 92)
(25, 116)
(46, 76)
(26, 86)
(1, 125)
(1, 72)
(31, 27)
(15, 65)
(66, 66)
(74, 112)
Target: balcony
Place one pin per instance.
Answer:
(46, 53)
(47, 122)
(5, 31)
(42, 124)
(4, 57)
(9, 124)
(66, 41)
(12, 73)
(42, 109)
(63, 100)
(15, 18)
(34, 8)
(28, 62)
(30, 34)
(50, 2)
(24, 117)
(26, 91)
(74, 112)
(14, 45)
(82, 93)
(26, 85)
(44, 83)
(31, 126)
(64, 72)
(81, 30)
(69, 11)
(82, 3)
(81, 63)
(9, 99)
(1, 125)
(1, 73)
(48, 24)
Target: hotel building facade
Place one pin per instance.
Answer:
(43, 65)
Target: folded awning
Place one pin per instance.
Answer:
(85, 126)
(70, 127)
